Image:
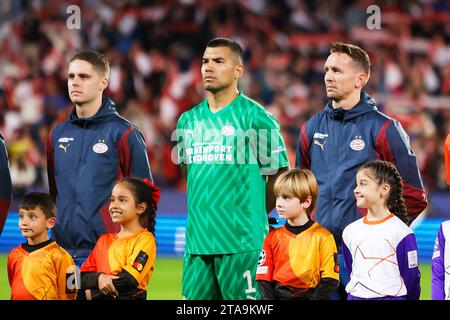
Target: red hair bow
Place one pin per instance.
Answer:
(156, 193)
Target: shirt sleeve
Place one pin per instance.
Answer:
(90, 264)
(393, 145)
(5, 184)
(133, 155)
(437, 267)
(265, 267)
(270, 147)
(303, 158)
(409, 266)
(89, 269)
(348, 260)
(66, 275)
(11, 266)
(329, 267)
(140, 263)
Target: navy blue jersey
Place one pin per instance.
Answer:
(86, 157)
(334, 143)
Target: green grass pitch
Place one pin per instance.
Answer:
(166, 281)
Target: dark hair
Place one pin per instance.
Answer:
(98, 60)
(386, 172)
(39, 199)
(229, 43)
(356, 53)
(142, 192)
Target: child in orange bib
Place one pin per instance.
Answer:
(121, 265)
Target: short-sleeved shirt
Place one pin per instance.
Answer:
(135, 254)
(381, 258)
(298, 260)
(43, 274)
(228, 155)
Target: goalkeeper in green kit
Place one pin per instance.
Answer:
(231, 151)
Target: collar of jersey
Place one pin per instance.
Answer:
(224, 108)
(377, 221)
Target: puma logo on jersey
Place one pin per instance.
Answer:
(321, 145)
(61, 146)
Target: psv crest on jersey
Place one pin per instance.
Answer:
(357, 144)
(227, 130)
(100, 147)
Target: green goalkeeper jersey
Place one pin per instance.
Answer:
(228, 154)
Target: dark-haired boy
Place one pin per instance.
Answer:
(40, 269)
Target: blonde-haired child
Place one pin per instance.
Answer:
(299, 259)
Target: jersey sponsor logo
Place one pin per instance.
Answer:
(100, 147)
(412, 259)
(278, 150)
(262, 257)
(262, 270)
(318, 135)
(228, 130)
(321, 145)
(322, 137)
(65, 139)
(357, 144)
(64, 147)
(140, 261)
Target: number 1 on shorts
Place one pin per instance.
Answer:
(250, 288)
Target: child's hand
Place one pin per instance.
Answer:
(88, 294)
(106, 285)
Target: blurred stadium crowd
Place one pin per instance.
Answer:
(155, 50)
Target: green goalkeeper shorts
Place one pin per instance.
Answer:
(220, 277)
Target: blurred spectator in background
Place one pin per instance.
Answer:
(23, 175)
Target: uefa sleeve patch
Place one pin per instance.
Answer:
(412, 259)
(262, 270)
(140, 261)
(262, 258)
